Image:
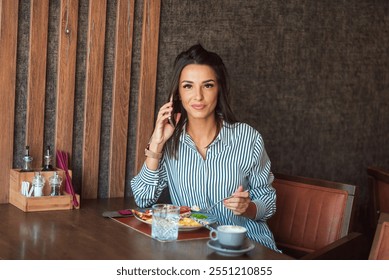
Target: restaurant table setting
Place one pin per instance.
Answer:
(86, 234)
(169, 223)
(141, 221)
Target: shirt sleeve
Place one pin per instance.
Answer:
(260, 182)
(148, 185)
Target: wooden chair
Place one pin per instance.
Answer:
(380, 247)
(314, 218)
(379, 189)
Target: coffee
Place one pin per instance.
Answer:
(233, 228)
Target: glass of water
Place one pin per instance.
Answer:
(164, 225)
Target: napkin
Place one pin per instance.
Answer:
(62, 162)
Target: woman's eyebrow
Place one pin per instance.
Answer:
(204, 82)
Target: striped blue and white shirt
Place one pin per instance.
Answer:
(236, 157)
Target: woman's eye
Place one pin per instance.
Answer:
(208, 85)
(187, 86)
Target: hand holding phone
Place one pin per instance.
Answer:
(176, 109)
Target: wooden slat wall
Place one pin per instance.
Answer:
(67, 52)
(65, 91)
(121, 97)
(147, 84)
(8, 39)
(93, 97)
(37, 79)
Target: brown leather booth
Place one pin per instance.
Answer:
(314, 218)
(380, 247)
(379, 189)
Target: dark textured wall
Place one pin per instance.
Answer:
(311, 76)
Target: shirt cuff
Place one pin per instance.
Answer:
(149, 176)
(260, 209)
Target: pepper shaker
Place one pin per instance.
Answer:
(55, 183)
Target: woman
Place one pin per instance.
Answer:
(207, 155)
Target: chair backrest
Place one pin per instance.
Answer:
(380, 247)
(311, 213)
(379, 186)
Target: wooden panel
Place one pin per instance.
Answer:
(37, 79)
(88, 170)
(121, 97)
(148, 76)
(66, 75)
(93, 97)
(8, 39)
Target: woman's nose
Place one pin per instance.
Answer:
(198, 93)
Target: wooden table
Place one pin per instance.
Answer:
(84, 234)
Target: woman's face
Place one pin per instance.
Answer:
(198, 90)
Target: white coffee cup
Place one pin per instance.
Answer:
(228, 236)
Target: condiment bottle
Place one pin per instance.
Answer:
(38, 183)
(55, 183)
(27, 159)
(48, 158)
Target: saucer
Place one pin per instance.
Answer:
(214, 244)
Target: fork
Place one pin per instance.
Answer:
(213, 205)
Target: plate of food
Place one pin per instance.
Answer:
(186, 222)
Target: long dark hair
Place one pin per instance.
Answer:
(198, 55)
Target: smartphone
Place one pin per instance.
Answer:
(176, 109)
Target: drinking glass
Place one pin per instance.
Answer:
(164, 225)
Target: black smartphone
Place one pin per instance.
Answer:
(176, 109)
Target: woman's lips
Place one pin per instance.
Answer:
(198, 106)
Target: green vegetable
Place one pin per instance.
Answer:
(199, 216)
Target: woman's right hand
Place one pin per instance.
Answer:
(163, 129)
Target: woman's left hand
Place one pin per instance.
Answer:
(239, 203)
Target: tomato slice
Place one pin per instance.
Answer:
(184, 209)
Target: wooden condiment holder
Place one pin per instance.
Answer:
(45, 202)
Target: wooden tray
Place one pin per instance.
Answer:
(43, 203)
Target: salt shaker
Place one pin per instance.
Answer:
(38, 183)
(55, 184)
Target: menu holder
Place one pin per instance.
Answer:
(132, 222)
(42, 203)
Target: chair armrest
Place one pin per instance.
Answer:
(354, 246)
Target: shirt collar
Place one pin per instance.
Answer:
(224, 136)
